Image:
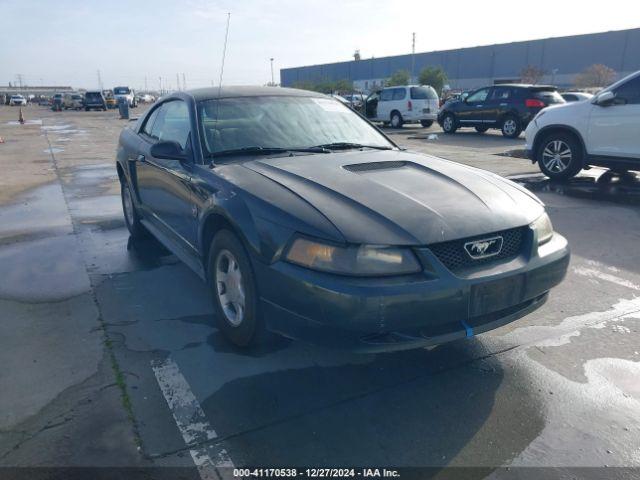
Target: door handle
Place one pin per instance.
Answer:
(141, 158)
(479, 106)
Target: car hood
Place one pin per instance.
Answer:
(401, 198)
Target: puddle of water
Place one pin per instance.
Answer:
(45, 270)
(41, 209)
(54, 128)
(96, 207)
(28, 122)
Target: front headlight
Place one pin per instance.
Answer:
(544, 228)
(360, 260)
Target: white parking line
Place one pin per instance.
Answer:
(598, 274)
(191, 421)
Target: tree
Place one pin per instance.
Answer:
(434, 77)
(531, 74)
(401, 77)
(325, 86)
(595, 76)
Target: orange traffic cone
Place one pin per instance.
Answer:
(21, 117)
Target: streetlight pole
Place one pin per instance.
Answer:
(273, 84)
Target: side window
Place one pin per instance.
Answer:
(399, 93)
(148, 125)
(479, 96)
(628, 93)
(570, 98)
(501, 94)
(386, 95)
(173, 123)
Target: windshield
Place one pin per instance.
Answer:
(282, 122)
(121, 90)
(423, 93)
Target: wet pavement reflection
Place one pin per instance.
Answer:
(594, 184)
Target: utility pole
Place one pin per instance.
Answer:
(20, 78)
(177, 81)
(145, 84)
(184, 82)
(160, 79)
(100, 81)
(413, 54)
(273, 84)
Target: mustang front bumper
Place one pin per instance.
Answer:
(395, 313)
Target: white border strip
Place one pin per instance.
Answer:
(191, 420)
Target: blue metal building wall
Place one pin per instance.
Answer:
(568, 56)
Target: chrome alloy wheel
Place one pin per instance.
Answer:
(230, 287)
(556, 156)
(447, 124)
(510, 127)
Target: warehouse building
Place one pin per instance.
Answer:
(560, 58)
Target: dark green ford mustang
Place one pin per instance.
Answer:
(308, 221)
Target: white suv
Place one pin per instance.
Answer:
(603, 131)
(403, 104)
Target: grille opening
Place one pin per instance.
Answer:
(371, 166)
(453, 255)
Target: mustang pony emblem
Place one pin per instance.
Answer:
(487, 247)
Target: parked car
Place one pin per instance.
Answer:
(73, 101)
(56, 102)
(17, 100)
(94, 100)
(602, 131)
(576, 96)
(356, 100)
(405, 104)
(508, 108)
(308, 221)
(127, 93)
(110, 99)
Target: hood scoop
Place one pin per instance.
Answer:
(373, 166)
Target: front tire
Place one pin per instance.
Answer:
(396, 120)
(511, 127)
(426, 123)
(131, 217)
(449, 123)
(560, 156)
(234, 291)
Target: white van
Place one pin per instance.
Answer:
(403, 104)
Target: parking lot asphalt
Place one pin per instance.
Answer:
(110, 356)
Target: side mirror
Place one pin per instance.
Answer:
(168, 151)
(605, 99)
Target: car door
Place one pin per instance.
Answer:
(473, 108)
(399, 101)
(164, 185)
(614, 128)
(384, 105)
(498, 103)
(371, 105)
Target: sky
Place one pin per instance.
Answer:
(66, 42)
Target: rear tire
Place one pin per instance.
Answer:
(426, 123)
(449, 123)
(481, 129)
(560, 156)
(511, 127)
(396, 120)
(234, 291)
